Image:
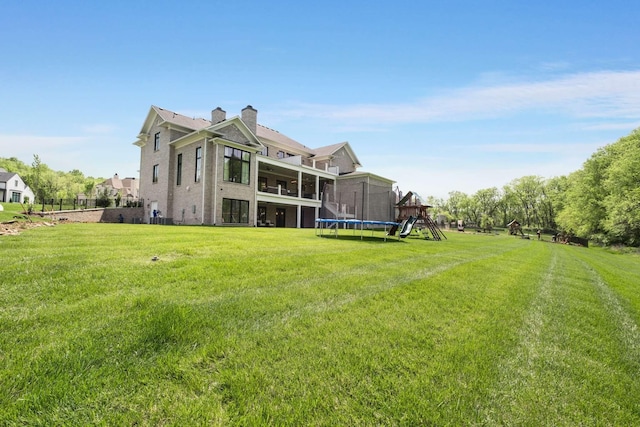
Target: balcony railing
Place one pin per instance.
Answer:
(285, 192)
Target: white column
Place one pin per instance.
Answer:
(299, 214)
(204, 179)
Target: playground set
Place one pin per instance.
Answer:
(412, 220)
(413, 217)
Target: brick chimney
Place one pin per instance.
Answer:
(250, 118)
(218, 115)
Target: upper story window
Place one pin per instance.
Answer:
(15, 183)
(281, 155)
(236, 165)
(179, 170)
(265, 151)
(198, 164)
(156, 141)
(156, 170)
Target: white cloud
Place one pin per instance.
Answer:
(564, 148)
(606, 94)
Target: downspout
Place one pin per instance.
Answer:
(362, 208)
(215, 187)
(204, 178)
(299, 212)
(256, 171)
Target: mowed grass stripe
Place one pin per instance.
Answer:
(344, 287)
(419, 351)
(566, 369)
(627, 331)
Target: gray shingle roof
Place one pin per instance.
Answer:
(261, 130)
(328, 150)
(6, 176)
(275, 136)
(180, 120)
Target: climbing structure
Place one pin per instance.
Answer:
(411, 207)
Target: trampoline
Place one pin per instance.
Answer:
(332, 225)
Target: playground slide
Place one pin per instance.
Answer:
(407, 226)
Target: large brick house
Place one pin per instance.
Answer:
(234, 171)
(127, 188)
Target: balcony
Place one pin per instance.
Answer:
(287, 179)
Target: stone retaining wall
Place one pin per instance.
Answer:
(129, 215)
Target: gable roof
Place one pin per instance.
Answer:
(6, 176)
(180, 120)
(177, 120)
(330, 150)
(262, 133)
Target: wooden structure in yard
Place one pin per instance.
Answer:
(411, 206)
(515, 228)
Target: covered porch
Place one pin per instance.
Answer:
(285, 213)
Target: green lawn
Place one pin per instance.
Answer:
(268, 326)
(9, 210)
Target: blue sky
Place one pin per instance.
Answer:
(439, 96)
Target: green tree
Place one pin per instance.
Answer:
(458, 204)
(103, 200)
(89, 186)
(14, 165)
(487, 201)
(584, 211)
(42, 180)
(528, 192)
(486, 222)
(510, 206)
(553, 201)
(622, 188)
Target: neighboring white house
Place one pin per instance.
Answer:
(13, 189)
(237, 171)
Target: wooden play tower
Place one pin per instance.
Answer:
(411, 206)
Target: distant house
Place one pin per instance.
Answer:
(235, 171)
(127, 188)
(13, 189)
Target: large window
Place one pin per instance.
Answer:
(198, 163)
(235, 211)
(236, 165)
(179, 170)
(156, 142)
(156, 169)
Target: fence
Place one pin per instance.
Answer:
(358, 200)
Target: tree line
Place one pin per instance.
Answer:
(48, 184)
(599, 202)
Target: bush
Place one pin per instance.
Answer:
(103, 200)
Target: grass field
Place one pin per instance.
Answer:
(261, 326)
